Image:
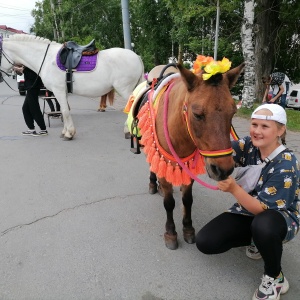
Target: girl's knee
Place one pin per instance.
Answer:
(204, 244)
(268, 224)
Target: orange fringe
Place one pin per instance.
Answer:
(162, 163)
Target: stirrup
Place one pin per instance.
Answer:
(134, 136)
(137, 149)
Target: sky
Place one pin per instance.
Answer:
(17, 13)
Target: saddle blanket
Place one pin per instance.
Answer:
(87, 63)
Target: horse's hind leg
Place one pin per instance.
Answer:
(187, 200)
(170, 235)
(102, 104)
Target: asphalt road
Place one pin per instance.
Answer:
(77, 221)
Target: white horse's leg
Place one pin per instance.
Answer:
(69, 130)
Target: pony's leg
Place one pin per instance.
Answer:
(170, 235)
(187, 200)
(152, 184)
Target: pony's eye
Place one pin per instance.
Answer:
(199, 117)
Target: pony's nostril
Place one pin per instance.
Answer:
(221, 174)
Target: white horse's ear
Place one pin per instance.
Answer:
(189, 78)
(233, 74)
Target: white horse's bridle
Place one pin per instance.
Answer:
(7, 58)
(12, 63)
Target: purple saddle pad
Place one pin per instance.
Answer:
(87, 63)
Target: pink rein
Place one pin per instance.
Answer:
(179, 161)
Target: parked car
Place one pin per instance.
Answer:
(293, 101)
(21, 85)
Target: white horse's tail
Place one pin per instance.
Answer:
(142, 78)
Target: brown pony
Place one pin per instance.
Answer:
(199, 119)
(110, 96)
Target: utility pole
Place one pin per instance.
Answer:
(126, 24)
(217, 31)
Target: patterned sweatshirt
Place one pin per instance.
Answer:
(278, 187)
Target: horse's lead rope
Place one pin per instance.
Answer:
(166, 132)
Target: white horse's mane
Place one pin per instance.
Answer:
(29, 38)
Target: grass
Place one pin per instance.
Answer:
(293, 117)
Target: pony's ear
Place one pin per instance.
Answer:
(189, 78)
(234, 74)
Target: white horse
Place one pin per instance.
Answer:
(117, 68)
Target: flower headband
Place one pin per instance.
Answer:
(210, 66)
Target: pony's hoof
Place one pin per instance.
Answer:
(101, 110)
(171, 241)
(189, 235)
(152, 188)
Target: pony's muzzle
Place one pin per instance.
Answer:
(219, 169)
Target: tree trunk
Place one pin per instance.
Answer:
(180, 54)
(248, 93)
(266, 31)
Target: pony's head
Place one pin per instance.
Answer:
(209, 109)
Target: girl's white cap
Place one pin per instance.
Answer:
(279, 114)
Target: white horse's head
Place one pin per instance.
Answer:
(6, 65)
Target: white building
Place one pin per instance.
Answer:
(7, 31)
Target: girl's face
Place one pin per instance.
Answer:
(265, 133)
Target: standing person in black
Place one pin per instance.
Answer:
(31, 107)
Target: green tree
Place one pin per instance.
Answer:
(150, 29)
(183, 28)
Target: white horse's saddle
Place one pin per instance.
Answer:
(71, 53)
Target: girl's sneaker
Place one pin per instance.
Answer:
(252, 252)
(271, 288)
(29, 132)
(42, 132)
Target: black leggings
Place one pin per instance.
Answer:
(267, 229)
(32, 110)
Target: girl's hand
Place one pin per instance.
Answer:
(228, 185)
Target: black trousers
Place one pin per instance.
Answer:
(267, 229)
(32, 111)
(51, 105)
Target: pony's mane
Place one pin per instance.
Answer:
(29, 38)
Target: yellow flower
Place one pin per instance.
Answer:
(225, 65)
(210, 66)
(215, 67)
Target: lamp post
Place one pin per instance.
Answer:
(217, 31)
(126, 24)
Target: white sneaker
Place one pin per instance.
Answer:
(271, 288)
(252, 252)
